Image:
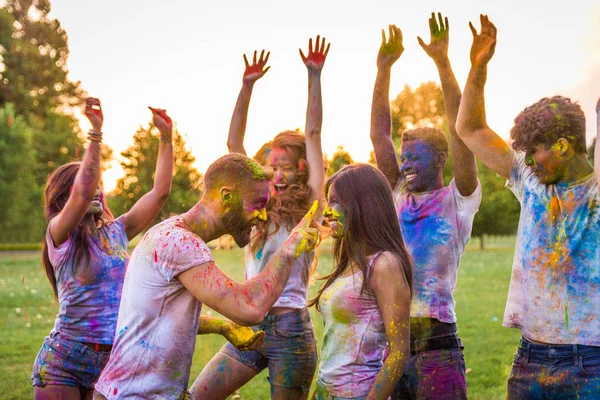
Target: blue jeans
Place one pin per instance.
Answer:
(67, 362)
(321, 394)
(541, 372)
(290, 350)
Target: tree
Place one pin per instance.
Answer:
(21, 213)
(340, 158)
(499, 210)
(139, 165)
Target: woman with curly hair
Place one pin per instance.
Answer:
(365, 301)
(85, 258)
(289, 349)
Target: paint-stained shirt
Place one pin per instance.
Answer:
(354, 338)
(296, 289)
(158, 318)
(89, 289)
(436, 227)
(554, 294)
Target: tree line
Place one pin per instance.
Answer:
(39, 132)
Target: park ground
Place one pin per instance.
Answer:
(27, 312)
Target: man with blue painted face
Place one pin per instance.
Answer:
(436, 221)
(554, 294)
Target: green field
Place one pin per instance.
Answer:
(27, 312)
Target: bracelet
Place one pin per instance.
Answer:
(94, 136)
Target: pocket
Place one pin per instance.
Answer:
(434, 359)
(61, 347)
(292, 329)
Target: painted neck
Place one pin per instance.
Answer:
(577, 169)
(204, 219)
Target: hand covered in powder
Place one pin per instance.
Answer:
(484, 43)
(256, 70)
(304, 238)
(243, 337)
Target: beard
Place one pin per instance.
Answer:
(237, 227)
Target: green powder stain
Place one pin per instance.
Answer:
(567, 317)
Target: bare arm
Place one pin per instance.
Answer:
(150, 204)
(237, 127)
(381, 120)
(242, 337)
(464, 165)
(314, 62)
(471, 124)
(597, 147)
(85, 184)
(393, 299)
(247, 303)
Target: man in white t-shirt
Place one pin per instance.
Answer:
(435, 220)
(171, 274)
(553, 296)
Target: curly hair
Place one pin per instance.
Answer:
(431, 136)
(290, 207)
(547, 121)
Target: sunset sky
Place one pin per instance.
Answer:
(187, 57)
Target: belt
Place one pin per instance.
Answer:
(436, 344)
(106, 348)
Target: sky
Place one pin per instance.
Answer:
(186, 57)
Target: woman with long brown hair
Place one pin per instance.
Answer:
(289, 350)
(365, 301)
(85, 257)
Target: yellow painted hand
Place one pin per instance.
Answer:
(304, 236)
(243, 337)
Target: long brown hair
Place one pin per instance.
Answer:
(290, 207)
(56, 194)
(371, 224)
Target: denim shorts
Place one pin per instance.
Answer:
(67, 362)
(541, 371)
(290, 350)
(436, 368)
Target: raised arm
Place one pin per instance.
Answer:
(471, 123)
(381, 119)
(247, 303)
(86, 181)
(314, 62)
(464, 165)
(597, 147)
(393, 299)
(150, 204)
(237, 127)
(242, 337)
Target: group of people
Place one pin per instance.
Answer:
(127, 327)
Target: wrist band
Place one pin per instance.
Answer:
(94, 136)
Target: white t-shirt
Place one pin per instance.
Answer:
(158, 317)
(435, 226)
(296, 289)
(554, 294)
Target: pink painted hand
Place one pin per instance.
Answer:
(303, 237)
(243, 337)
(437, 48)
(161, 120)
(484, 43)
(315, 60)
(390, 50)
(257, 70)
(93, 111)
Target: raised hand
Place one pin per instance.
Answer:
(315, 59)
(390, 50)
(93, 111)
(257, 70)
(161, 120)
(243, 337)
(303, 236)
(484, 43)
(437, 48)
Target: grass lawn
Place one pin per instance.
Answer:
(27, 312)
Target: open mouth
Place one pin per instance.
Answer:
(333, 224)
(410, 176)
(280, 188)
